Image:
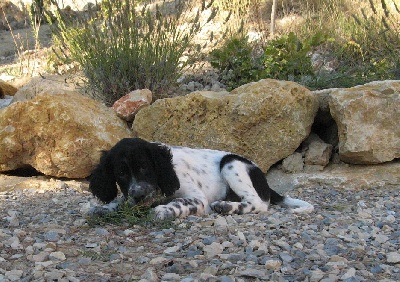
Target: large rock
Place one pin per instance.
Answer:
(128, 106)
(58, 135)
(265, 121)
(6, 89)
(52, 84)
(368, 118)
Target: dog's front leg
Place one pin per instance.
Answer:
(181, 207)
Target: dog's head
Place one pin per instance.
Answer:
(140, 168)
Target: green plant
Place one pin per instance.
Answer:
(36, 15)
(366, 44)
(287, 57)
(128, 215)
(122, 47)
(237, 62)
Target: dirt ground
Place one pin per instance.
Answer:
(19, 60)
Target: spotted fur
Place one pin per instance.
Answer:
(197, 181)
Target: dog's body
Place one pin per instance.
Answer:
(197, 180)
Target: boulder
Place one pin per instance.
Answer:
(293, 163)
(127, 106)
(6, 89)
(52, 84)
(265, 121)
(368, 118)
(58, 135)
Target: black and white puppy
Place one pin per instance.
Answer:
(196, 181)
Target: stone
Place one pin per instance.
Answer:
(393, 257)
(6, 89)
(318, 152)
(213, 249)
(273, 264)
(351, 272)
(14, 275)
(51, 85)
(293, 163)
(59, 135)
(367, 117)
(60, 256)
(265, 121)
(127, 106)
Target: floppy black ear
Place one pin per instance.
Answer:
(102, 181)
(167, 179)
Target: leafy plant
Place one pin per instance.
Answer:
(121, 47)
(287, 57)
(237, 62)
(128, 215)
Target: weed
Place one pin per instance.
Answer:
(287, 57)
(128, 215)
(237, 62)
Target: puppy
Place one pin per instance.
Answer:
(194, 181)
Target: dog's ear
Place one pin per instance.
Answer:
(102, 180)
(167, 179)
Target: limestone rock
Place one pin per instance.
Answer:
(293, 163)
(127, 106)
(264, 121)
(53, 84)
(317, 152)
(58, 135)
(368, 118)
(6, 89)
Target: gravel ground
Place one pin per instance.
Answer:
(351, 236)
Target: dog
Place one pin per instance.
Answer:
(194, 181)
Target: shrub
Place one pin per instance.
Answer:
(366, 44)
(121, 48)
(287, 57)
(236, 61)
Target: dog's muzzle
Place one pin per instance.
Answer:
(141, 192)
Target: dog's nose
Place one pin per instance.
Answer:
(140, 191)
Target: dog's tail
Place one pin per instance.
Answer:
(296, 205)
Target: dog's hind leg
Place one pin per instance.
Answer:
(236, 173)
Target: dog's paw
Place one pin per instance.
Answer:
(98, 211)
(162, 212)
(222, 207)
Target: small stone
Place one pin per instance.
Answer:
(52, 236)
(171, 277)
(57, 256)
(393, 257)
(54, 275)
(273, 264)
(170, 250)
(316, 275)
(158, 260)
(209, 240)
(14, 275)
(213, 249)
(102, 232)
(150, 275)
(40, 257)
(286, 257)
(380, 238)
(349, 274)
(220, 221)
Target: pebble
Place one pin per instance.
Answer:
(46, 238)
(393, 257)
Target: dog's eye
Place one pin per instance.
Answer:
(143, 170)
(122, 173)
